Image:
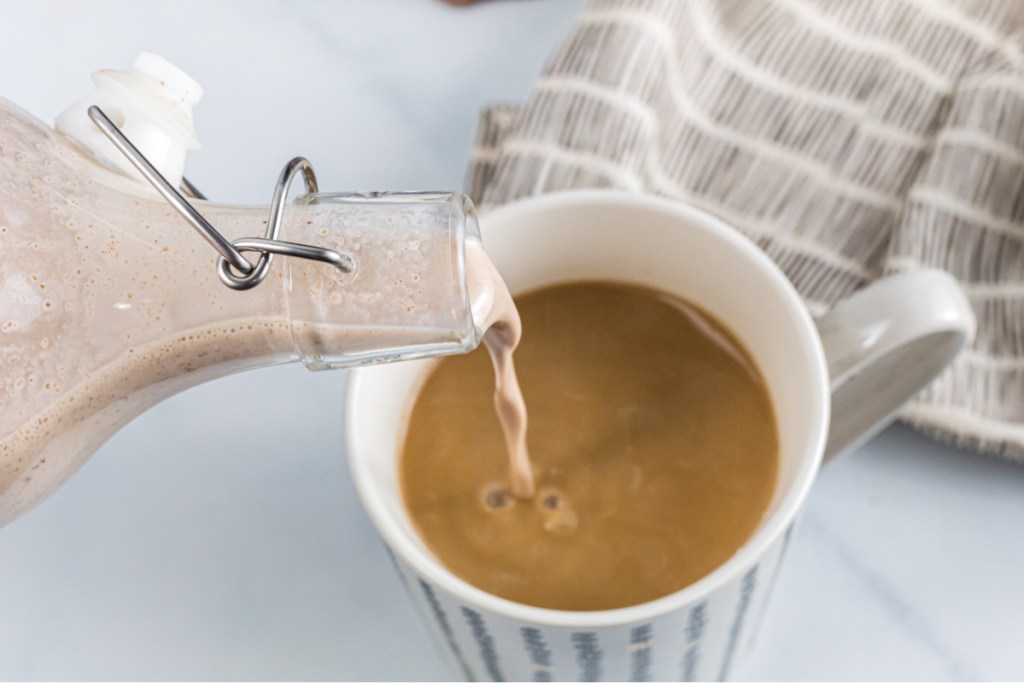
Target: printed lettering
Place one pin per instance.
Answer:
(588, 655)
(540, 654)
(446, 628)
(484, 641)
(749, 582)
(696, 621)
(640, 640)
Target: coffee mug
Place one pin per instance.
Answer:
(834, 381)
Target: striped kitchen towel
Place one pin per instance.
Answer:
(848, 138)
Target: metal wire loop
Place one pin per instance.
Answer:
(234, 270)
(248, 280)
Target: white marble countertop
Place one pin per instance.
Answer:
(184, 551)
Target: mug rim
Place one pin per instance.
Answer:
(748, 554)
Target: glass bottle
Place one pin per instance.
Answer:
(111, 303)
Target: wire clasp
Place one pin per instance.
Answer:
(234, 269)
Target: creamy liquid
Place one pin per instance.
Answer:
(503, 332)
(49, 447)
(652, 440)
(54, 442)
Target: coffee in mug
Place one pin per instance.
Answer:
(652, 441)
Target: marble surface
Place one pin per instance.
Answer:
(184, 550)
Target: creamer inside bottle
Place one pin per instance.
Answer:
(111, 303)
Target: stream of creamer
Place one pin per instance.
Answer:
(492, 303)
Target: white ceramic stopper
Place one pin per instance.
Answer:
(152, 105)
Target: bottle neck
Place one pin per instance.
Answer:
(409, 295)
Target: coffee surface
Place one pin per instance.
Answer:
(652, 440)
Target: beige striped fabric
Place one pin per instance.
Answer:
(848, 138)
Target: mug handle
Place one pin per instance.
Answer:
(884, 344)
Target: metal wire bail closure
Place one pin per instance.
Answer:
(277, 205)
(231, 261)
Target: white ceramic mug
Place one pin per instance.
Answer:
(858, 363)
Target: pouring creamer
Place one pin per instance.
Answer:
(109, 303)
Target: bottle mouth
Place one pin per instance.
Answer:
(482, 281)
(480, 286)
(491, 302)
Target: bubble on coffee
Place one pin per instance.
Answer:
(497, 497)
(551, 499)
